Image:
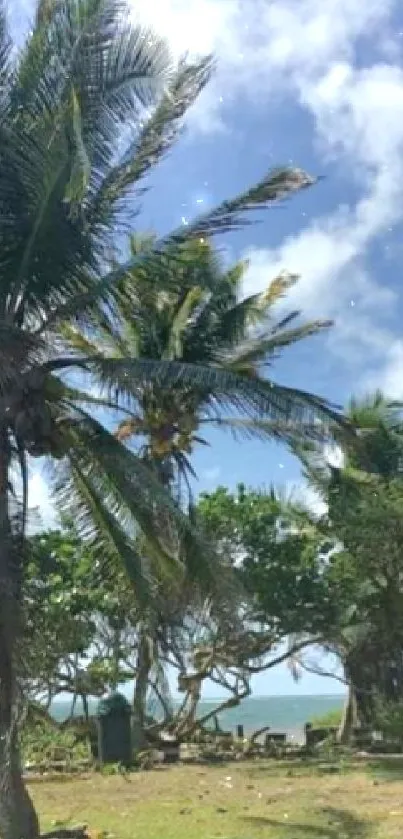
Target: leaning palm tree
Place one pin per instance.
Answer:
(77, 138)
(206, 323)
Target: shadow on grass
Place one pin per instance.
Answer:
(339, 823)
(301, 766)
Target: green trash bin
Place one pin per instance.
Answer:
(114, 730)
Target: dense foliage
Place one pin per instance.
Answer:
(280, 557)
(88, 106)
(119, 351)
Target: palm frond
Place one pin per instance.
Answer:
(277, 185)
(256, 397)
(315, 468)
(84, 69)
(5, 57)
(96, 517)
(156, 138)
(174, 348)
(227, 216)
(78, 341)
(135, 490)
(236, 319)
(75, 396)
(116, 478)
(264, 348)
(278, 288)
(80, 175)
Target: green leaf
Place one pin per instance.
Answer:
(81, 165)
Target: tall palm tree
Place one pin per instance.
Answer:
(205, 322)
(76, 140)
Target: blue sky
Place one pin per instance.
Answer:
(318, 85)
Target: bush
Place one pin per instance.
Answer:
(331, 718)
(43, 745)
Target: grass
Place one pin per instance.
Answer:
(236, 801)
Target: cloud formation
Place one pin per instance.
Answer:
(341, 61)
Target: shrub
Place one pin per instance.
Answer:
(329, 719)
(43, 745)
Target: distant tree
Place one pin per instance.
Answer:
(365, 515)
(70, 614)
(280, 556)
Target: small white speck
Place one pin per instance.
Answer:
(286, 815)
(201, 240)
(185, 221)
(352, 302)
(221, 99)
(199, 200)
(228, 778)
(281, 465)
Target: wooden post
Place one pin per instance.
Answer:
(239, 732)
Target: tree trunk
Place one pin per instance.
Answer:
(86, 710)
(144, 664)
(18, 819)
(349, 718)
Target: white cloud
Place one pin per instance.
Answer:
(341, 62)
(334, 455)
(300, 492)
(261, 46)
(42, 511)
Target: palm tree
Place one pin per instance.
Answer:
(76, 142)
(205, 323)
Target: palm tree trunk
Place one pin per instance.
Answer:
(17, 814)
(143, 668)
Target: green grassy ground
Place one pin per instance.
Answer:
(237, 801)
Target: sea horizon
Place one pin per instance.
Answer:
(287, 713)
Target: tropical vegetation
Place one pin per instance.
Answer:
(88, 106)
(120, 352)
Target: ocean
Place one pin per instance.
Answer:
(281, 713)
